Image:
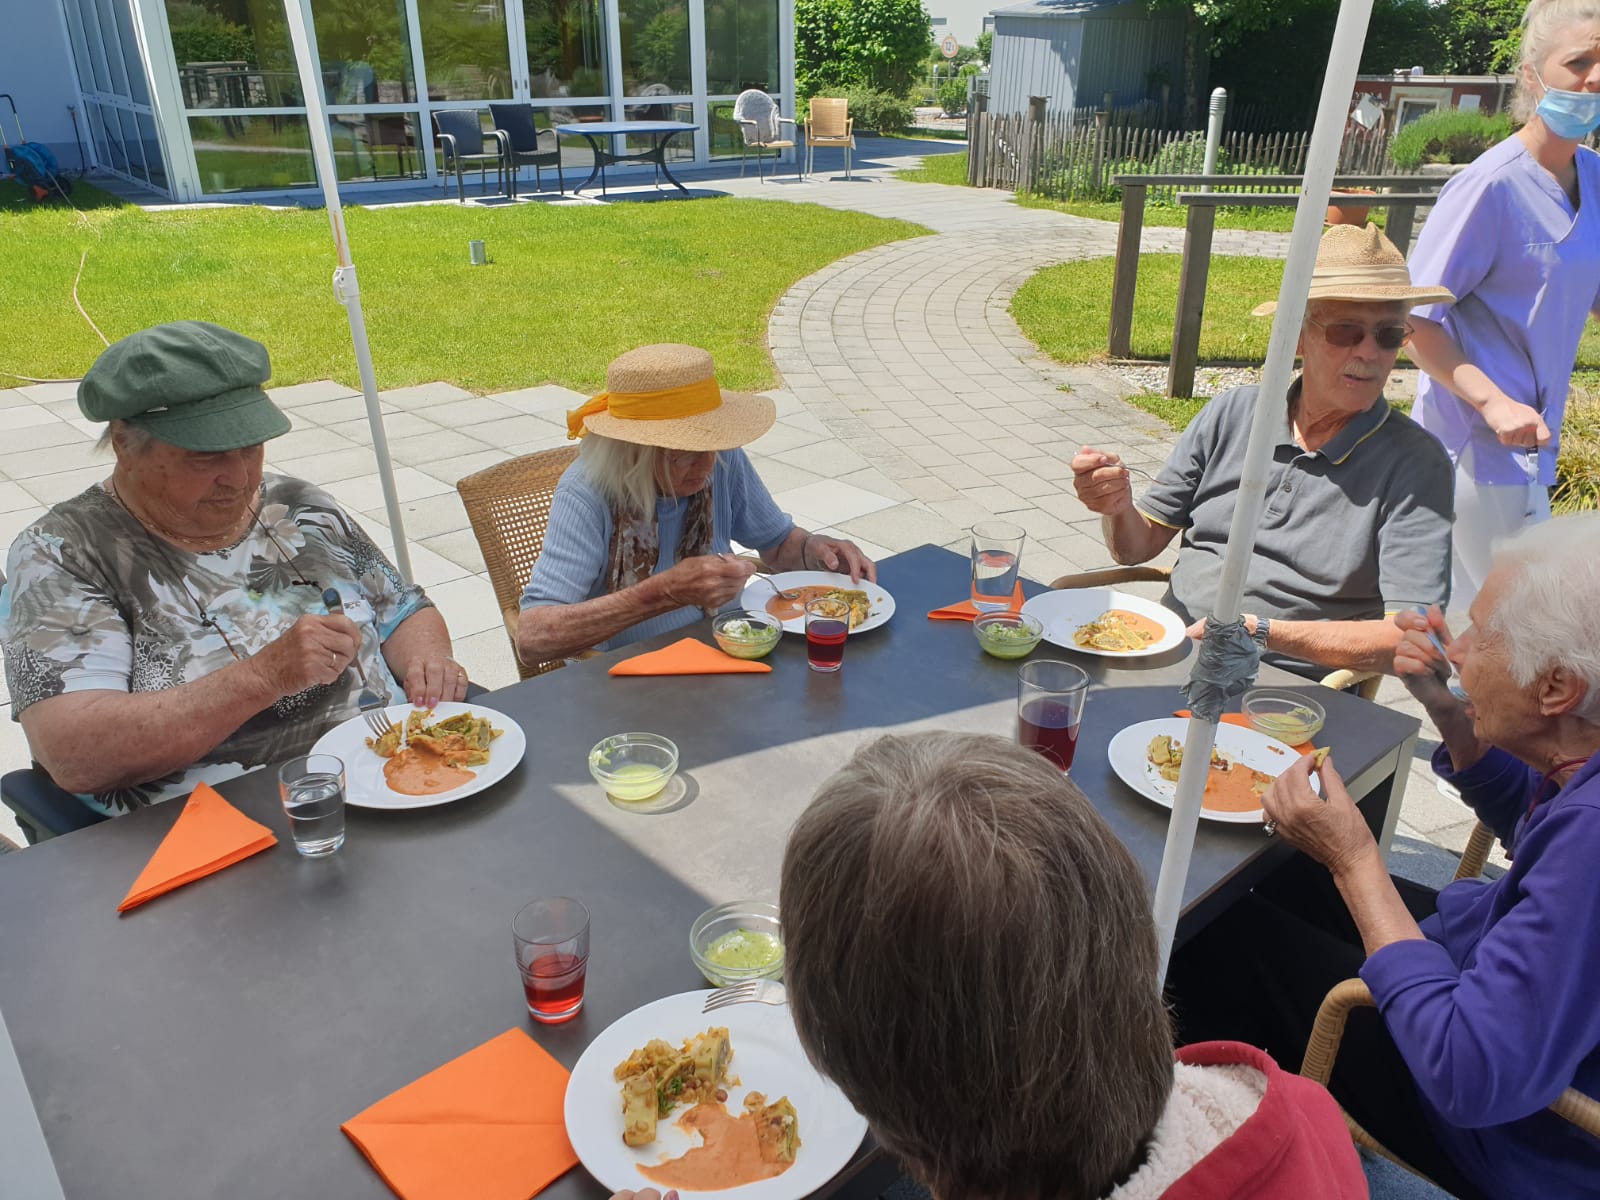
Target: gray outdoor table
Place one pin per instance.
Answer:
(211, 1042)
(599, 133)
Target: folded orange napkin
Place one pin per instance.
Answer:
(1242, 722)
(208, 835)
(485, 1126)
(688, 657)
(964, 611)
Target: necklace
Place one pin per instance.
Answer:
(204, 543)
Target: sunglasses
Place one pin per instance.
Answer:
(1345, 334)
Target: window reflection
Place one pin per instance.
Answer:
(375, 146)
(152, 151)
(566, 47)
(465, 49)
(655, 50)
(233, 54)
(365, 47)
(235, 154)
(741, 45)
(680, 146)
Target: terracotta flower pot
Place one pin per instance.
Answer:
(1345, 215)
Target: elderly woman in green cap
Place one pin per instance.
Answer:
(172, 624)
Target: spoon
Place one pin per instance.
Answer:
(1454, 682)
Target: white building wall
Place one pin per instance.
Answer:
(962, 18)
(36, 69)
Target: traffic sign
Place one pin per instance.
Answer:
(949, 47)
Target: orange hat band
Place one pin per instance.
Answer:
(689, 400)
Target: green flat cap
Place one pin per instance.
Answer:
(190, 384)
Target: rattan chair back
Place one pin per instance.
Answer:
(509, 507)
(829, 118)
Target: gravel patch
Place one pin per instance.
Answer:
(1210, 381)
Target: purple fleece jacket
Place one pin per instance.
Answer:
(1498, 1011)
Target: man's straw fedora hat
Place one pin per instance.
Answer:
(647, 389)
(1356, 262)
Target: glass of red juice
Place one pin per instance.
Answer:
(827, 628)
(1050, 697)
(552, 940)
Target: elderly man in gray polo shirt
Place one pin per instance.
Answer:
(1359, 498)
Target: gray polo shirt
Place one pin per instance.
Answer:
(1349, 532)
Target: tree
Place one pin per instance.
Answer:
(1482, 37)
(985, 45)
(879, 43)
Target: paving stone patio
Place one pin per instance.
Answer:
(911, 406)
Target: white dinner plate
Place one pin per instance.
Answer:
(767, 1058)
(364, 784)
(756, 594)
(1063, 612)
(1129, 753)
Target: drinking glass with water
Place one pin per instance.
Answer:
(312, 787)
(996, 558)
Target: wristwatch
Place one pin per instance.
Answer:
(1263, 630)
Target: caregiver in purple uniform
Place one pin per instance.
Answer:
(1516, 237)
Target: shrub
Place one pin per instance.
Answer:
(881, 111)
(1578, 471)
(881, 44)
(953, 97)
(1447, 136)
(1185, 155)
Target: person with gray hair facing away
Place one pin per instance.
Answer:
(1516, 236)
(970, 956)
(1486, 989)
(642, 525)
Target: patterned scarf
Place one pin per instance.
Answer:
(636, 542)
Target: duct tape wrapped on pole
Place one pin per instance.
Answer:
(346, 289)
(1227, 660)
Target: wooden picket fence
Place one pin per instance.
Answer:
(1068, 157)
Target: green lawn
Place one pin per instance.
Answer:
(938, 168)
(565, 291)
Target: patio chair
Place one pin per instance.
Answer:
(461, 136)
(1364, 683)
(829, 124)
(44, 809)
(1345, 997)
(761, 126)
(528, 144)
(509, 506)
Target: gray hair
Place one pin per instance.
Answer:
(624, 473)
(1545, 615)
(136, 438)
(1543, 22)
(970, 956)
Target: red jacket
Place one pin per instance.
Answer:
(1295, 1146)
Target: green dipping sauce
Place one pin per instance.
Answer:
(745, 950)
(635, 782)
(1007, 641)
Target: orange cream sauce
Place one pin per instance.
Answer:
(415, 772)
(1140, 623)
(730, 1156)
(788, 610)
(1231, 791)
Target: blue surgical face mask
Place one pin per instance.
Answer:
(1572, 115)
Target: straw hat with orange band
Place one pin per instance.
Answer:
(667, 395)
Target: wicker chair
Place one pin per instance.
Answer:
(829, 123)
(509, 506)
(1366, 683)
(1572, 1105)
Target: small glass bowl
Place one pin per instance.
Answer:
(633, 767)
(1288, 716)
(1008, 634)
(753, 916)
(746, 633)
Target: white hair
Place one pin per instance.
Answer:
(624, 473)
(1543, 23)
(136, 439)
(1546, 613)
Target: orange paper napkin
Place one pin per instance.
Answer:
(1242, 722)
(485, 1126)
(208, 835)
(688, 657)
(964, 611)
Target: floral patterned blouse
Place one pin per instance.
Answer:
(95, 602)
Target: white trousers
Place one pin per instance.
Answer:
(1486, 513)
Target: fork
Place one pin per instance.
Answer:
(791, 594)
(371, 704)
(754, 991)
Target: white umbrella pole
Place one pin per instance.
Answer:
(1337, 87)
(345, 287)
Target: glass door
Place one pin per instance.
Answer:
(559, 62)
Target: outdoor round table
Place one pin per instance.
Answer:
(599, 132)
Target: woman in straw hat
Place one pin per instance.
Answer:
(642, 525)
(1357, 518)
(1511, 239)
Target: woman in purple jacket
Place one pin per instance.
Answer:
(1488, 1005)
